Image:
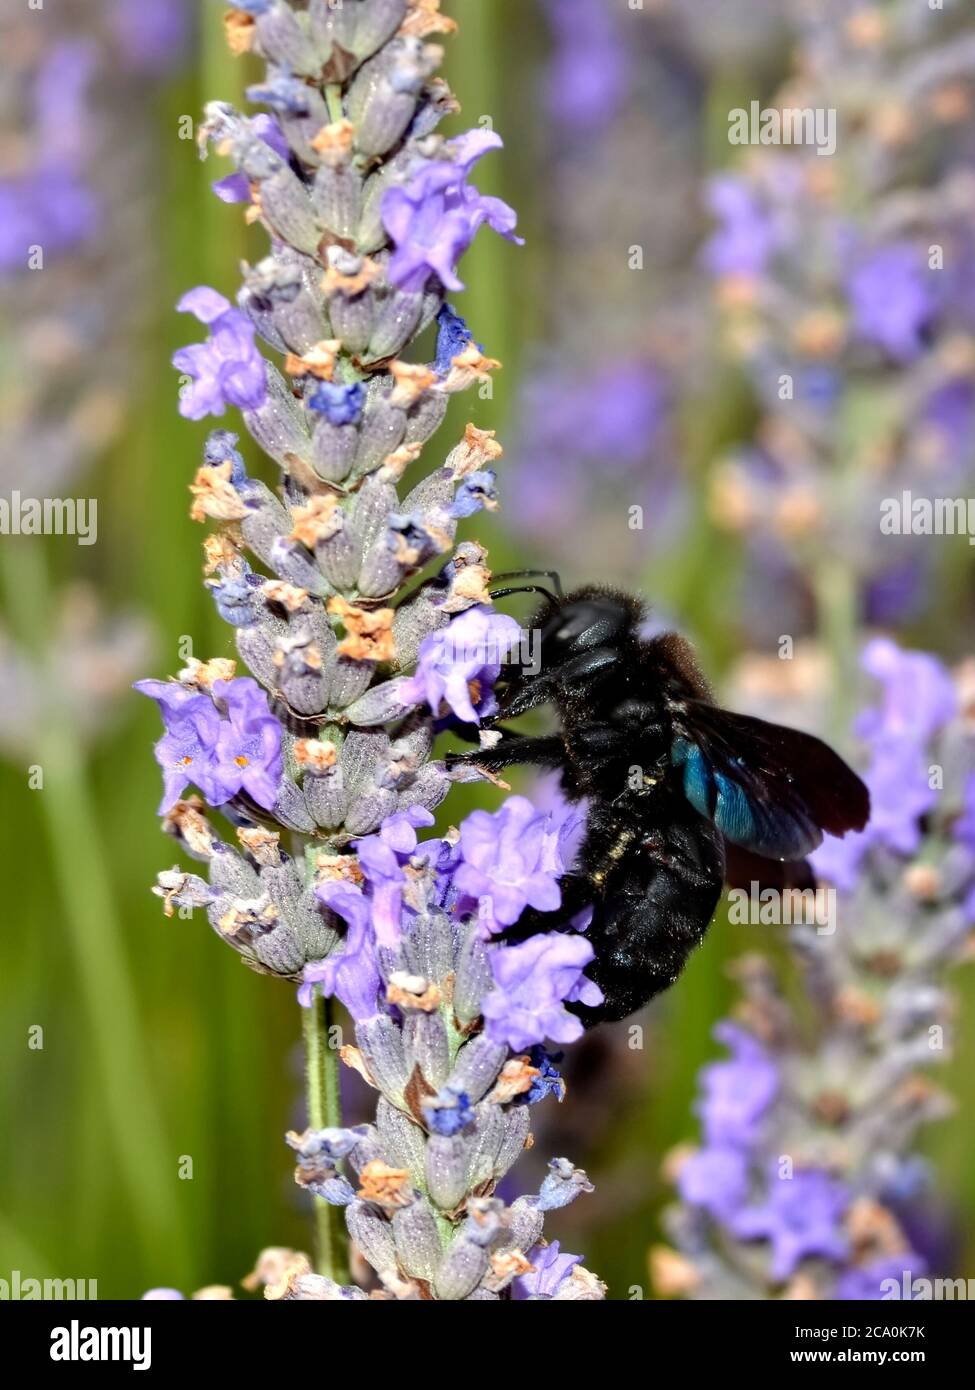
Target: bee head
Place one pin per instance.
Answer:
(587, 619)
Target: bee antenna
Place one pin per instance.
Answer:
(553, 575)
(526, 589)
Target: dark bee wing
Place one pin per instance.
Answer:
(772, 790)
(754, 873)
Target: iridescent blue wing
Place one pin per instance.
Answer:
(771, 790)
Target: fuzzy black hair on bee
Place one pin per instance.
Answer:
(681, 795)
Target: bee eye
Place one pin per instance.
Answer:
(587, 624)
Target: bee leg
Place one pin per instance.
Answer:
(572, 677)
(522, 695)
(579, 671)
(539, 752)
(470, 733)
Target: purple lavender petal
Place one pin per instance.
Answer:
(185, 752)
(351, 973)
(467, 652)
(227, 368)
(248, 753)
(918, 695)
(715, 1179)
(152, 33)
(433, 218)
(801, 1217)
(863, 1283)
(503, 863)
(590, 69)
(892, 300)
(745, 238)
(737, 1092)
(551, 1269)
(533, 981)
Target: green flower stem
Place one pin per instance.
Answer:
(84, 883)
(324, 1112)
(333, 100)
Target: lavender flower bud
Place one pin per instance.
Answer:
(372, 1234)
(477, 1066)
(463, 1267)
(278, 425)
(401, 1140)
(400, 317)
(282, 37)
(417, 1240)
(282, 296)
(382, 1049)
(383, 97)
(562, 1186)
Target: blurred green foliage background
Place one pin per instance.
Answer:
(157, 1044)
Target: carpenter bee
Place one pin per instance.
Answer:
(682, 795)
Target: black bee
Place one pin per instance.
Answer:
(682, 795)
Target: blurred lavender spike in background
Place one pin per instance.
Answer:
(844, 292)
(807, 1183)
(76, 271)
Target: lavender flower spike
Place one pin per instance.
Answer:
(322, 761)
(806, 1184)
